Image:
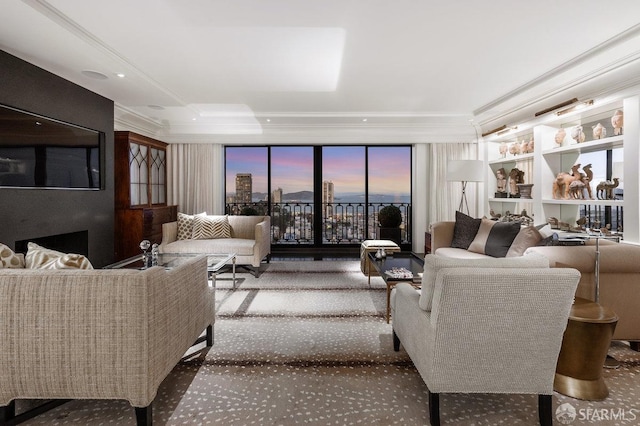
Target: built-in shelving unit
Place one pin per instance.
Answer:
(616, 154)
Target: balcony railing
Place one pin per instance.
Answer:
(342, 223)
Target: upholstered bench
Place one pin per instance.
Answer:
(368, 246)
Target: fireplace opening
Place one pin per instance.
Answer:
(72, 242)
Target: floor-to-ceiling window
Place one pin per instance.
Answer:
(320, 195)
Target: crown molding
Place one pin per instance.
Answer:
(611, 43)
(55, 15)
(127, 119)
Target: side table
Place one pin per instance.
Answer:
(584, 349)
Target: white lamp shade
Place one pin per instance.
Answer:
(465, 170)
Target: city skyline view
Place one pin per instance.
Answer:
(292, 170)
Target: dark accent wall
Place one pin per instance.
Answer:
(35, 213)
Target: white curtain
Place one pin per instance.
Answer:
(443, 196)
(195, 178)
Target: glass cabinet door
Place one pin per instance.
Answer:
(138, 174)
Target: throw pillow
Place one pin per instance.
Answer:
(464, 230)
(433, 263)
(185, 225)
(43, 258)
(527, 237)
(209, 227)
(494, 238)
(8, 259)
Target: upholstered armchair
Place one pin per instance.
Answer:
(485, 326)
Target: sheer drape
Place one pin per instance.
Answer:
(443, 196)
(195, 178)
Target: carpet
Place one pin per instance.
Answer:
(306, 343)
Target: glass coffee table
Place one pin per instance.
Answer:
(387, 265)
(215, 263)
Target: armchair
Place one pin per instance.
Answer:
(495, 328)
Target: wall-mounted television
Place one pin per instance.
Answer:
(40, 152)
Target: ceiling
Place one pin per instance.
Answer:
(331, 71)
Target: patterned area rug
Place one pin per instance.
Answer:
(306, 344)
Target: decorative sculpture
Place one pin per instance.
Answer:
(524, 147)
(514, 148)
(617, 121)
(560, 135)
(503, 149)
(576, 190)
(563, 181)
(599, 131)
(578, 134)
(530, 145)
(588, 177)
(604, 190)
(516, 176)
(501, 182)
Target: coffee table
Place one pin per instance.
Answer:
(405, 260)
(215, 262)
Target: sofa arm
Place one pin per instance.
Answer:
(441, 234)
(99, 334)
(169, 233)
(263, 240)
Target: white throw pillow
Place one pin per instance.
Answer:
(8, 259)
(43, 258)
(433, 263)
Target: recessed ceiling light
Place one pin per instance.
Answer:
(193, 119)
(156, 107)
(268, 120)
(121, 75)
(364, 119)
(94, 74)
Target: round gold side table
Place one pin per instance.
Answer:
(584, 350)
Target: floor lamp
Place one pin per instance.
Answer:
(465, 171)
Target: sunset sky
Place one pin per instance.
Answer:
(292, 168)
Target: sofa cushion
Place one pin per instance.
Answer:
(185, 225)
(239, 246)
(494, 238)
(210, 227)
(8, 259)
(433, 263)
(528, 236)
(464, 230)
(43, 258)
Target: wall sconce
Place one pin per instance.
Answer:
(496, 130)
(575, 107)
(465, 171)
(555, 107)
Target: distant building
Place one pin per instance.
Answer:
(327, 197)
(244, 188)
(276, 196)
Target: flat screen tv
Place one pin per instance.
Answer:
(40, 152)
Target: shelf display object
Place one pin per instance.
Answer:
(511, 176)
(576, 167)
(577, 171)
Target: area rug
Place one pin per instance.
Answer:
(310, 353)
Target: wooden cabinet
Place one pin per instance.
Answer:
(140, 192)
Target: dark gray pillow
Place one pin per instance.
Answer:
(464, 231)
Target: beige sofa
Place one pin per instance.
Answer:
(99, 334)
(619, 274)
(250, 240)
